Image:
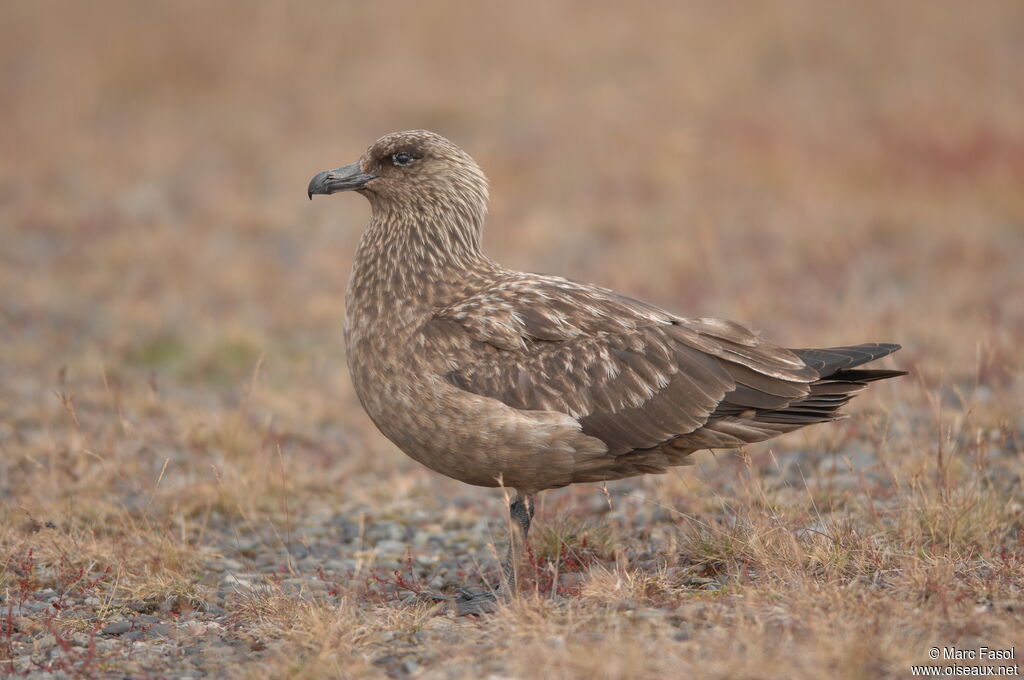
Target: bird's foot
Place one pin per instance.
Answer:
(468, 602)
(474, 602)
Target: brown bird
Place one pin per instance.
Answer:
(501, 378)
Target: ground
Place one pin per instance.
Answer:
(190, 487)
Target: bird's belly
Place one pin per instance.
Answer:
(474, 439)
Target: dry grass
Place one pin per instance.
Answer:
(172, 384)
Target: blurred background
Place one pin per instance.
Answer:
(827, 173)
(172, 369)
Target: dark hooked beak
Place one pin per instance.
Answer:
(346, 178)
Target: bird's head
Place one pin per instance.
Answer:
(415, 169)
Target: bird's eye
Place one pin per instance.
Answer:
(402, 159)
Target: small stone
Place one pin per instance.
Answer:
(391, 547)
(116, 628)
(335, 564)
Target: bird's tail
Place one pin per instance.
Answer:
(839, 382)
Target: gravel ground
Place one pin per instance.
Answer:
(327, 553)
(381, 557)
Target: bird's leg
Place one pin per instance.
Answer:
(521, 511)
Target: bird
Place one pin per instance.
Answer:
(500, 378)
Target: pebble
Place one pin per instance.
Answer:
(116, 628)
(340, 565)
(388, 547)
(386, 530)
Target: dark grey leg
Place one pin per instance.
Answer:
(521, 510)
(522, 513)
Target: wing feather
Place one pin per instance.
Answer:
(634, 376)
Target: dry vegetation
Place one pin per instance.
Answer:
(180, 448)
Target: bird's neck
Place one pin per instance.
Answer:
(418, 258)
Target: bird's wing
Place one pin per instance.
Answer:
(634, 375)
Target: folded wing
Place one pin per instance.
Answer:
(635, 376)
